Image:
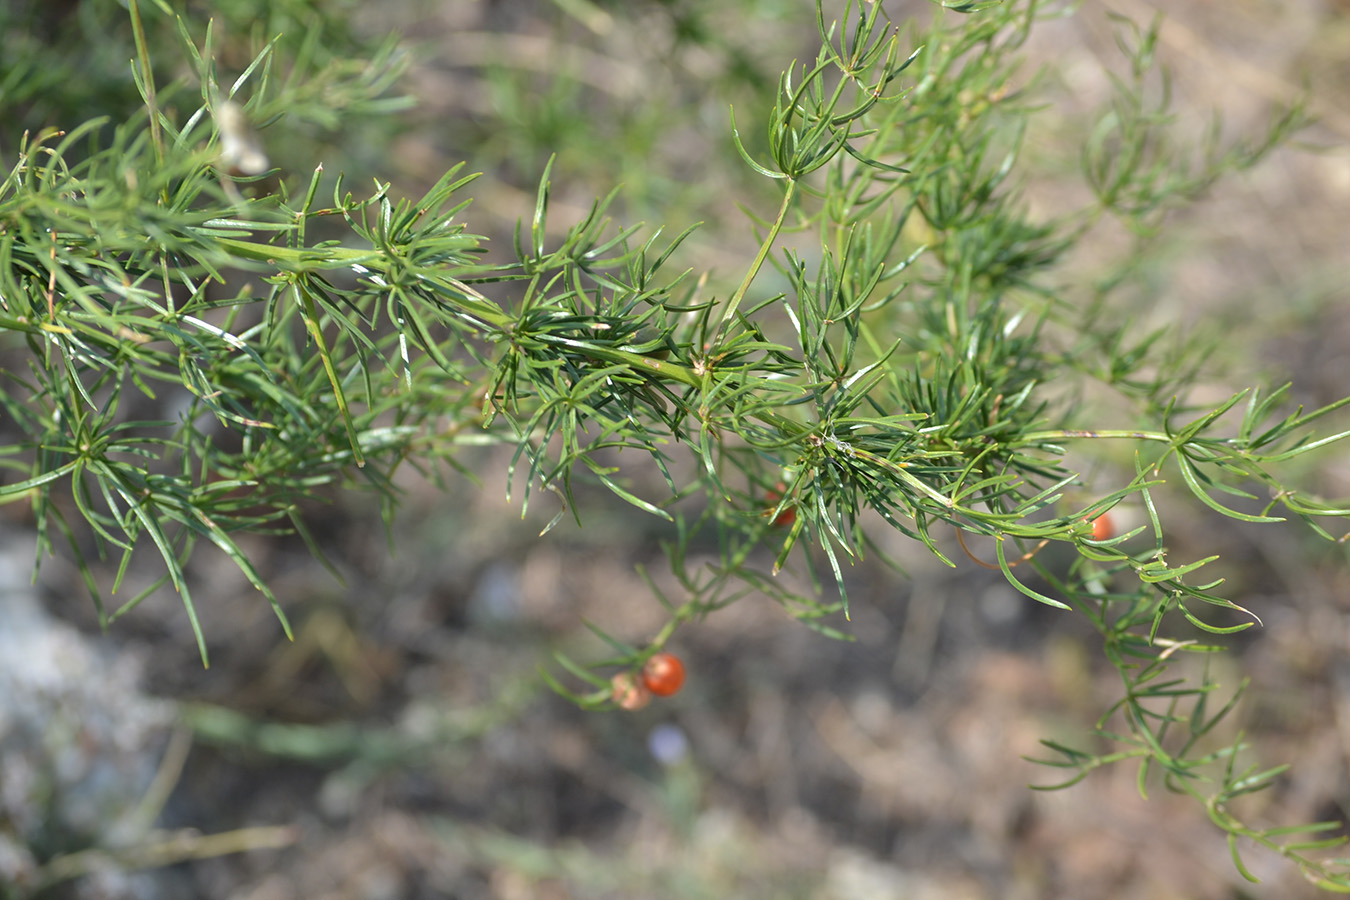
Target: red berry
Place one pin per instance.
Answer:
(787, 515)
(663, 674)
(1103, 529)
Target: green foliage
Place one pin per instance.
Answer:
(900, 380)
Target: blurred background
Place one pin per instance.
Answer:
(404, 745)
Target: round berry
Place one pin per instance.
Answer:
(663, 674)
(628, 692)
(1103, 529)
(787, 515)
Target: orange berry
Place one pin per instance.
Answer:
(628, 692)
(1103, 529)
(663, 674)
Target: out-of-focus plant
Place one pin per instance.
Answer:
(902, 379)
